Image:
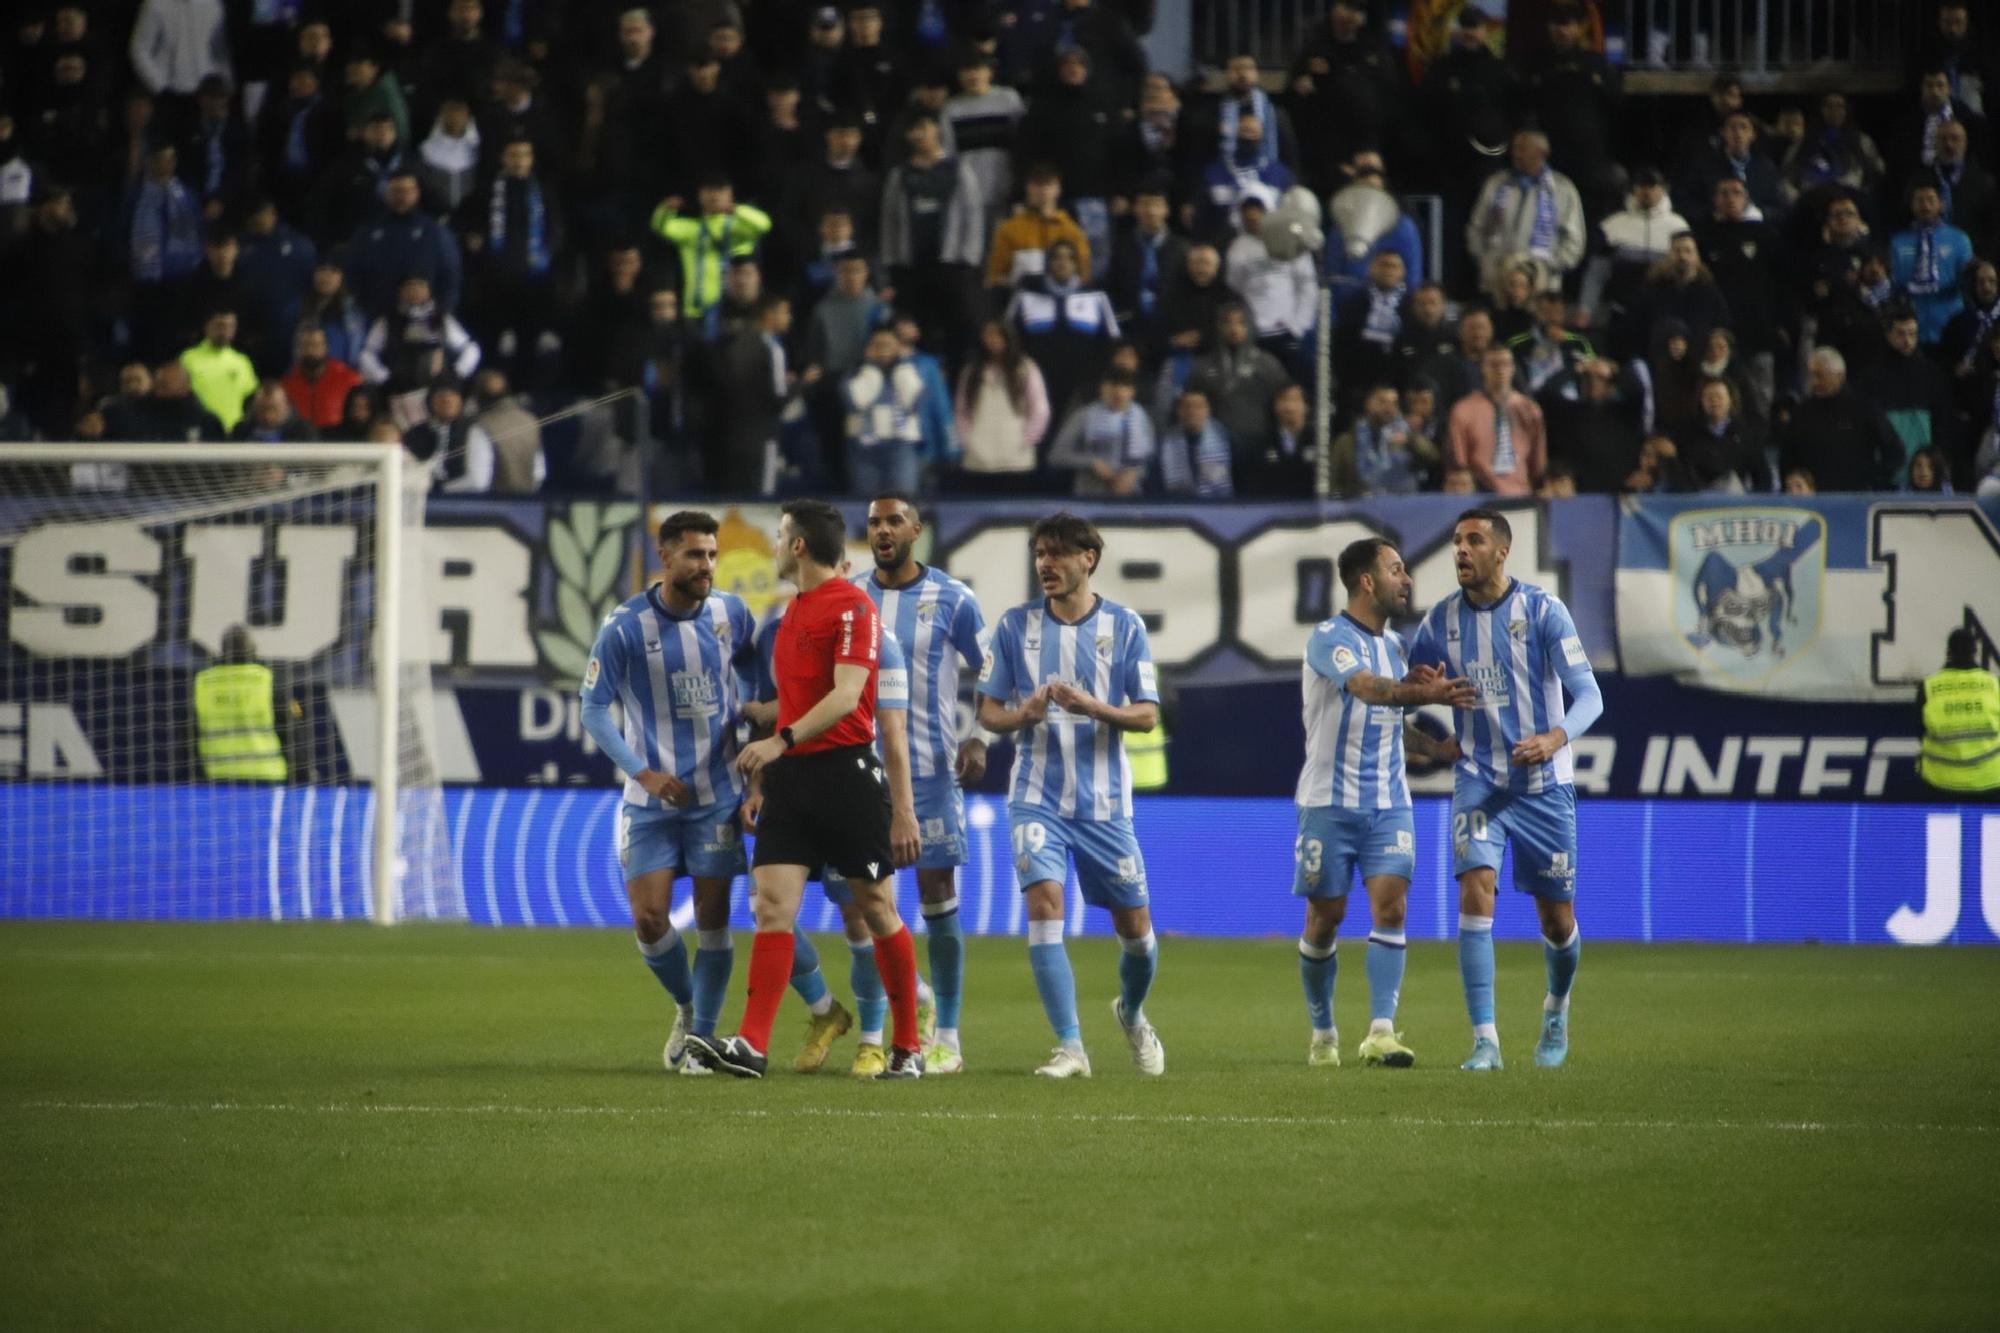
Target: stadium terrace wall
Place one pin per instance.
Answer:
(1717, 871)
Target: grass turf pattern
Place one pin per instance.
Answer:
(256, 1126)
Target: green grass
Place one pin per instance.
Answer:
(339, 1126)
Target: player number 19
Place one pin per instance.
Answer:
(1029, 839)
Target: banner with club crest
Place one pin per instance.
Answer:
(1824, 598)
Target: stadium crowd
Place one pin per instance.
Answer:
(950, 246)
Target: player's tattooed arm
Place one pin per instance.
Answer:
(1424, 685)
(1435, 749)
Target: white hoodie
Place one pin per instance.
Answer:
(1634, 235)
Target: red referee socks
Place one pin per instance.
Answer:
(770, 973)
(896, 960)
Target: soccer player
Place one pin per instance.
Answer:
(935, 620)
(1354, 798)
(674, 658)
(1515, 779)
(871, 1002)
(1070, 673)
(826, 796)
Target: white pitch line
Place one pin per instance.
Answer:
(992, 1117)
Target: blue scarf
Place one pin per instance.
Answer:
(537, 239)
(1542, 240)
(1385, 317)
(1199, 465)
(1232, 110)
(1383, 468)
(1924, 278)
(1504, 458)
(296, 156)
(166, 232)
(1149, 273)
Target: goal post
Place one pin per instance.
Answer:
(215, 695)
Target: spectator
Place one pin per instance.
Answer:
(1021, 243)
(712, 135)
(456, 452)
(1917, 144)
(940, 444)
(519, 466)
(1682, 290)
(363, 411)
(1243, 96)
(725, 231)
(1144, 261)
(1673, 378)
(1719, 361)
(740, 306)
(751, 383)
(1108, 441)
(868, 73)
(1839, 314)
(1283, 294)
(52, 272)
(353, 189)
(1346, 269)
(162, 235)
(842, 321)
(1457, 372)
(1246, 173)
(1837, 435)
(1834, 156)
(1347, 92)
(1912, 393)
(458, 64)
(70, 136)
(1426, 332)
(1747, 257)
(1367, 326)
(269, 419)
(1738, 160)
(931, 239)
(838, 180)
(174, 415)
(125, 412)
(1549, 350)
(1067, 327)
(1513, 308)
(1966, 332)
(1632, 241)
(983, 120)
(1951, 48)
(1380, 454)
(1002, 405)
(1106, 36)
(1073, 128)
(403, 241)
(373, 90)
(1659, 471)
(1529, 211)
(178, 43)
(448, 160)
(1724, 450)
(1156, 146)
(927, 98)
(276, 263)
(318, 384)
(1966, 187)
(337, 312)
(1497, 433)
(1799, 481)
(1240, 380)
(514, 231)
(1575, 94)
(1926, 262)
(215, 154)
(1194, 452)
(885, 409)
(1594, 428)
(217, 285)
(1470, 87)
(1290, 462)
(1929, 474)
(785, 137)
(415, 343)
(1193, 302)
(220, 376)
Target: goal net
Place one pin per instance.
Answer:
(213, 697)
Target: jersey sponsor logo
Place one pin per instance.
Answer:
(1344, 659)
(1747, 585)
(1149, 677)
(1573, 652)
(893, 681)
(590, 674)
(1490, 679)
(695, 694)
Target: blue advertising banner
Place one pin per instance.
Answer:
(1718, 871)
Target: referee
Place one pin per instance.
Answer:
(826, 797)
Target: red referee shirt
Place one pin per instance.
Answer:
(833, 624)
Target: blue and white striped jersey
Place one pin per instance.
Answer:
(1354, 749)
(936, 621)
(892, 674)
(1067, 763)
(1519, 653)
(680, 682)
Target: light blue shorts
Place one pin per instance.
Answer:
(703, 840)
(940, 821)
(1542, 827)
(1110, 869)
(1334, 842)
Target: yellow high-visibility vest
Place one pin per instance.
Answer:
(1961, 730)
(233, 719)
(1147, 753)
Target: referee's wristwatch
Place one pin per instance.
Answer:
(785, 735)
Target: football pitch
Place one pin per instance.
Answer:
(326, 1126)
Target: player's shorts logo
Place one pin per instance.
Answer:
(1559, 866)
(934, 830)
(1406, 845)
(1748, 585)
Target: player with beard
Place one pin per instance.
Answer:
(1515, 780)
(1354, 797)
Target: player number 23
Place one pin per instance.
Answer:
(1469, 821)
(1308, 851)
(1029, 839)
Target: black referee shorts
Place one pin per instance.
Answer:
(830, 808)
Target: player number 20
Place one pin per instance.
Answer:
(1029, 839)
(1473, 821)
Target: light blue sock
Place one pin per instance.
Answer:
(1317, 965)
(1475, 967)
(1053, 978)
(1388, 950)
(946, 944)
(807, 979)
(712, 963)
(1562, 959)
(1137, 963)
(667, 956)
(871, 998)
